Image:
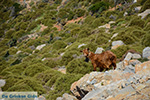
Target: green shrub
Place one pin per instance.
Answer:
(145, 6)
(147, 27)
(145, 40)
(120, 51)
(9, 33)
(59, 44)
(89, 20)
(84, 32)
(34, 69)
(31, 82)
(51, 63)
(75, 31)
(10, 81)
(16, 69)
(79, 12)
(98, 22)
(99, 7)
(62, 85)
(68, 56)
(137, 21)
(48, 77)
(79, 66)
(24, 25)
(102, 38)
(20, 87)
(13, 51)
(18, 34)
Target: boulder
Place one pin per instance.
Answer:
(40, 46)
(146, 52)
(99, 50)
(128, 56)
(144, 14)
(134, 62)
(129, 69)
(67, 96)
(136, 56)
(116, 44)
(2, 83)
(143, 68)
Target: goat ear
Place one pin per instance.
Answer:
(88, 49)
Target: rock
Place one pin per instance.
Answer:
(140, 86)
(134, 62)
(32, 47)
(124, 92)
(137, 9)
(57, 38)
(112, 22)
(81, 45)
(43, 59)
(116, 44)
(99, 50)
(114, 35)
(134, 1)
(144, 14)
(62, 69)
(41, 97)
(59, 98)
(112, 17)
(143, 68)
(136, 56)
(146, 52)
(129, 69)
(40, 46)
(120, 66)
(128, 56)
(18, 52)
(67, 96)
(2, 83)
(125, 14)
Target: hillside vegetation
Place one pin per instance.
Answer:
(32, 49)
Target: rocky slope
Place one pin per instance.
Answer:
(41, 40)
(130, 80)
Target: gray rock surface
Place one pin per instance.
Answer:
(99, 50)
(2, 83)
(40, 46)
(146, 52)
(119, 42)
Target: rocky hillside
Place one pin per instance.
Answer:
(41, 41)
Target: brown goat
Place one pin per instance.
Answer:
(104, 60)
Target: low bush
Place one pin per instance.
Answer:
(59, 44)
(48, 77)
(62, 85)
(34, 69)
(145, 40)
(68, 56)
(145, 6)
(137, 21)
(31, 83)
(120, 51)
(79, 66)
(99, 7)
